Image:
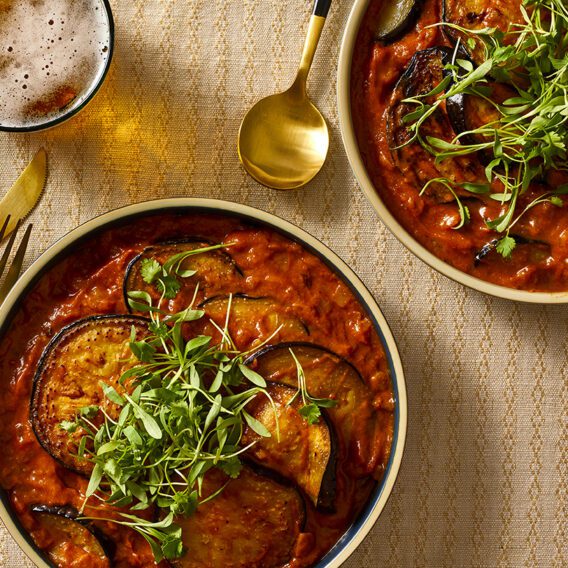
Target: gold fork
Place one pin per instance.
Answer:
(16, 266)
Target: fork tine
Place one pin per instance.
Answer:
(9, 246)
(4, 227)
(14, 270)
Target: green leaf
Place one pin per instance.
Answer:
(111, 394)
(150, 268)
(256, 426)
(143, 351)
(252, 376)
(137, 491)
(185, 315)
(113, 470)
(310, 412)
(108, 447)
(505, 246)
(557, 201)
(477, 188)
(68, 426)
(139, 307)
(476, 75)
(213, 412)
(217, 382)
(132, 436)
(140, 295)
(186, 273)
(413, 116)
(442, 144)
(185, 503)
(124, 414)
(82, 447)
(89, 411)
(172, 545)
(196, 343)
(95, 480)
(168, 286)
(232, 467)
(159, 329)
(154, 546)
(150, 425)
(324, 402)
(501, 197)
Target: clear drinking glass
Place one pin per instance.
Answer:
(54, 56)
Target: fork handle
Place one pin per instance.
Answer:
(321, 8)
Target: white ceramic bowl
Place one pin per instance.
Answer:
(352, 148)
(357, 532)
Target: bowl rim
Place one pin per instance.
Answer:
(90, 94)
(349, 138)
(367, 518)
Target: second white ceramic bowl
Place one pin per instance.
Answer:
(353, 153)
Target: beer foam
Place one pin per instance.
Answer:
(52, 55)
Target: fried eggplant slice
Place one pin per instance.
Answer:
(424, 73)
(67, 379)
(533, 250)
(470, 112)
(216, 272)
(396, 18)
(63, 531)
(254, 522)
(301, 452)
(328, 375)
(477, 15)
(254, 319)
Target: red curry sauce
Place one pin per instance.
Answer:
(377, 66)
(89, 281)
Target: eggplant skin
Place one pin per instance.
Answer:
(303, 453)
(64, 527)
(536, 250)
(67, 378)
(417, 166)
(216, 270)
(255, 318)
(254, 523)
(396, 18)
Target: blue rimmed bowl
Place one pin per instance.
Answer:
(367, 518)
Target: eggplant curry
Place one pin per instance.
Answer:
(191, 390)
(461, 113)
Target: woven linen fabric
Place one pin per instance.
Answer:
(484, 478)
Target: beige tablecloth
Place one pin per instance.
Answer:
(484, 478)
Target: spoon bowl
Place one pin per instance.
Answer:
(284, 139)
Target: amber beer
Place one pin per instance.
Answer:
(53, 56)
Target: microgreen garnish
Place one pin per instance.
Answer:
(166, 277)
(527, 138)
(181, 411)
(310, 409)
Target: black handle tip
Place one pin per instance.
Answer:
(321, 7)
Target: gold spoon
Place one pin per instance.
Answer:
(283, 139)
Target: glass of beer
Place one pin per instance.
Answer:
(54, 56)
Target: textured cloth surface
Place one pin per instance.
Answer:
(484, 478)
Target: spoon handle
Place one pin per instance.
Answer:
(317, 21)
(321, 8)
